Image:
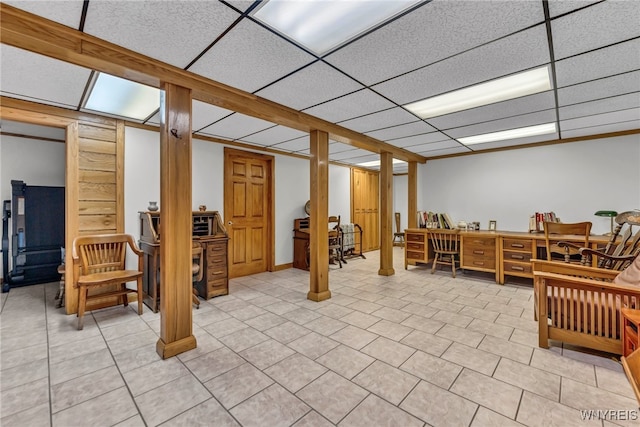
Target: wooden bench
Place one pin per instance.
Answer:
(99, 261)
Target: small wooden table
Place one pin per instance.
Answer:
(630, 322)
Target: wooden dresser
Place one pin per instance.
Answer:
(479, 251)
(209, 231)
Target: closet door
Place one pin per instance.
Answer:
(365, 191)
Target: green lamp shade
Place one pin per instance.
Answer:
(606, 213)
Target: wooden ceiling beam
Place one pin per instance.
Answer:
(39, 35)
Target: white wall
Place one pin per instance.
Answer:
(292, 180)
(33, 161)
(401, 200)
(574, 180)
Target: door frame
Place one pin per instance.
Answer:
(271, 246)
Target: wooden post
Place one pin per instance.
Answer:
(413, 195)
(176, 335)
(386, 214)
(319, 217)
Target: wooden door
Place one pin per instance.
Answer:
(365, 194)
(247, 211)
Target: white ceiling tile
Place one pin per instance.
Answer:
(34, 77)
(310, 86)
(236, 126)
(28, 129)
(547, 116)
(276, 135)
(175, 32)
(350, 106)
(594, 130)
(440, 145)
(338, 147)
(514, 142)
(64, 12)
(363, 159)
(600, 106)
(349, 154)
(419, 139)
(512, 107)
(293, 145)
(632, 114)
(241, 5)
(445, 151)
(204, 114)
(402, 131)
(511, 54)
(558, 7)
(154, 120)
(381, 119)
(605, 62)
(433, 32)
(594, 27)
(250, 57)
(601, 88)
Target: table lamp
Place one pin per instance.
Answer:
(611, 215)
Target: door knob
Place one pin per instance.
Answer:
(230, 223)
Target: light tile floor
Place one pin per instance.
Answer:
(409, 349)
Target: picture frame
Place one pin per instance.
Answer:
(492, 225)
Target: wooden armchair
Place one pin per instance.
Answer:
(99, 261)
(564, 251)
(445, 247)
(197, 269)
(579, 305)
(335, 240)
(623, 246)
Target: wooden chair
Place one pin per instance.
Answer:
(557, 250)
(335, 240)
(398, 234)
(623, 246)
(197, 269)
(99, 261)
(631, 365)
(445, 247)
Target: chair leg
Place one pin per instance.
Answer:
(140, 296)
(125, 300)
(194, 298)
(453, 267)
(82, 293)
(435, 263)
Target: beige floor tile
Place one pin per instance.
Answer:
(593, 357)
(581, 396)
(532, 379)
(21, 356)
(565, 367)
(386, 381)
(332, 396)
(325, 325)
(526, 324)
(472, 358)
(477, 313)
(334, 311)
(345, 361)
(428, 343)
(155, 374)
(24, 397)
(38, 415)
(74, 368)
(60, 353)
(224, 327)
(301, 316)
(123, 329)
(104, 410)
(281, 307)
(392, 302)
(231, 303)
(360, 320)
(510, 310)
(536, 411)
(450, 318)
(129, 342)
(295, 372)
(460, 335)
(266, 353)
(613, 381)
(423, 324)
(243, 339)
(206, 344)
(420, 309)
(490, 328)
(487, 418)
(313, 345)
(353, 337)
(343, 300)
(496, 395)
(446, 409)
(214, 363)
(85, 388)
(524, 337)
(265, 321)
(391, 352)
(23, 374)
(391, 314)
(431, 368)
(470, 301)
(203, 415)
(374, 411)
(510, 350)
(287, 332)
(238, 384)
(274, 406)
(313, 419)
(442, 296)
(167, 401)
(450, 306)
(248, 312)
(203, 318)
(390, 330)
(19, 341)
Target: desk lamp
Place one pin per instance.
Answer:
(611, 215)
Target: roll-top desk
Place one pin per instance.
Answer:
(209, 231)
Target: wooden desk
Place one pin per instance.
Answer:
(504, 253)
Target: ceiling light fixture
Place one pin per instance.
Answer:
(377, 163)
(509, 134)
(124, 98)
(322, 25)
(514, 86)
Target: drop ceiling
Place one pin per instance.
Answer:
(592, 49)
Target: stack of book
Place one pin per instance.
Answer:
(537, 220)
(428, 219)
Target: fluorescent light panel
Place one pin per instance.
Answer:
(509, 134)
(377, 163)
(514, 86)
(120, 97)
(322, 25)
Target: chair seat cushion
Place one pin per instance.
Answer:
(108, 277)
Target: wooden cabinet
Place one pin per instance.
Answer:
(478, 252)
(301, 243)
(365, 194)
(212, 236)
(416, 248)
(517, 253)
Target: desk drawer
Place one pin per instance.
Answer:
(414, 237)
(479, 262)
(216, 273)
(216, 249)
(517, 268)
(415, 247)
(217, 287)
(479, 242)
(479, 252)
(517, 245)
(415, 255)
(516, 256)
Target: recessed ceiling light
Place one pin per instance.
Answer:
(509, 134)
(377, 163)
(514, 86)
(322, 25)
(124, 98)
